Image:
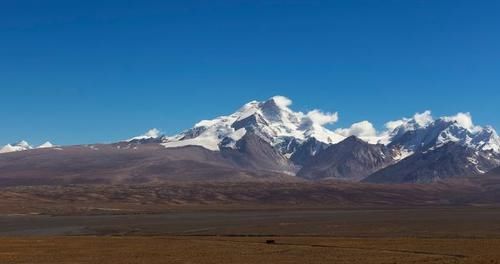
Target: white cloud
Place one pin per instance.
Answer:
(464, 120)
(321, 118)
(363, 129)
(366, 131)
(423, 119)
(391, 125)
(282, 101)
(152, 133)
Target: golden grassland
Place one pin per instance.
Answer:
(216, 249)
(230, 223)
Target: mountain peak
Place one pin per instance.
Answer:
(353, 139)
(423, 132)
(275, 122)
(23, 144)
(272, 120)
(46, 145)
(19, 146)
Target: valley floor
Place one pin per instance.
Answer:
(230, 223)
(175, 249)
(355, 235)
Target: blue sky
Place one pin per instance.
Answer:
(98, 71)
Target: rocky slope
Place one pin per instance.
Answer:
(351, 159)
(449, 161)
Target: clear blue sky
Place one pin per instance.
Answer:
(98, 71)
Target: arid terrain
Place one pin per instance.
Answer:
(325, 222)
(89, 199)
(356, 235)
(152, 250)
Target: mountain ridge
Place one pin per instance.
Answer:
(270, 136)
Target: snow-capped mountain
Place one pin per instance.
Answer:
(434, 149)
(452, 160)
(269, 137)
(19, 146)
(23, 146)
(303, 139)
(422, 133)
(272, 120)
(287, 130)
(46, 145)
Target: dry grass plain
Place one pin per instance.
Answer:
(230, 223)
(389, 235)
(153, 250)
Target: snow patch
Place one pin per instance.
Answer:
(46, 145)
(207, 141)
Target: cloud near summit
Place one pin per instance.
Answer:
(365, 129)
(282, 101)
(322, 118)
(361, 129)
(316, 116)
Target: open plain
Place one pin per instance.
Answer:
(153, 250)
(231, 223)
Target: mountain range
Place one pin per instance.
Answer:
(22, 146)
(268, 141)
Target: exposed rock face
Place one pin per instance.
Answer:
(351, 159)
(306, 151)
(494, 173)
(448, 161)
(252, 152)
